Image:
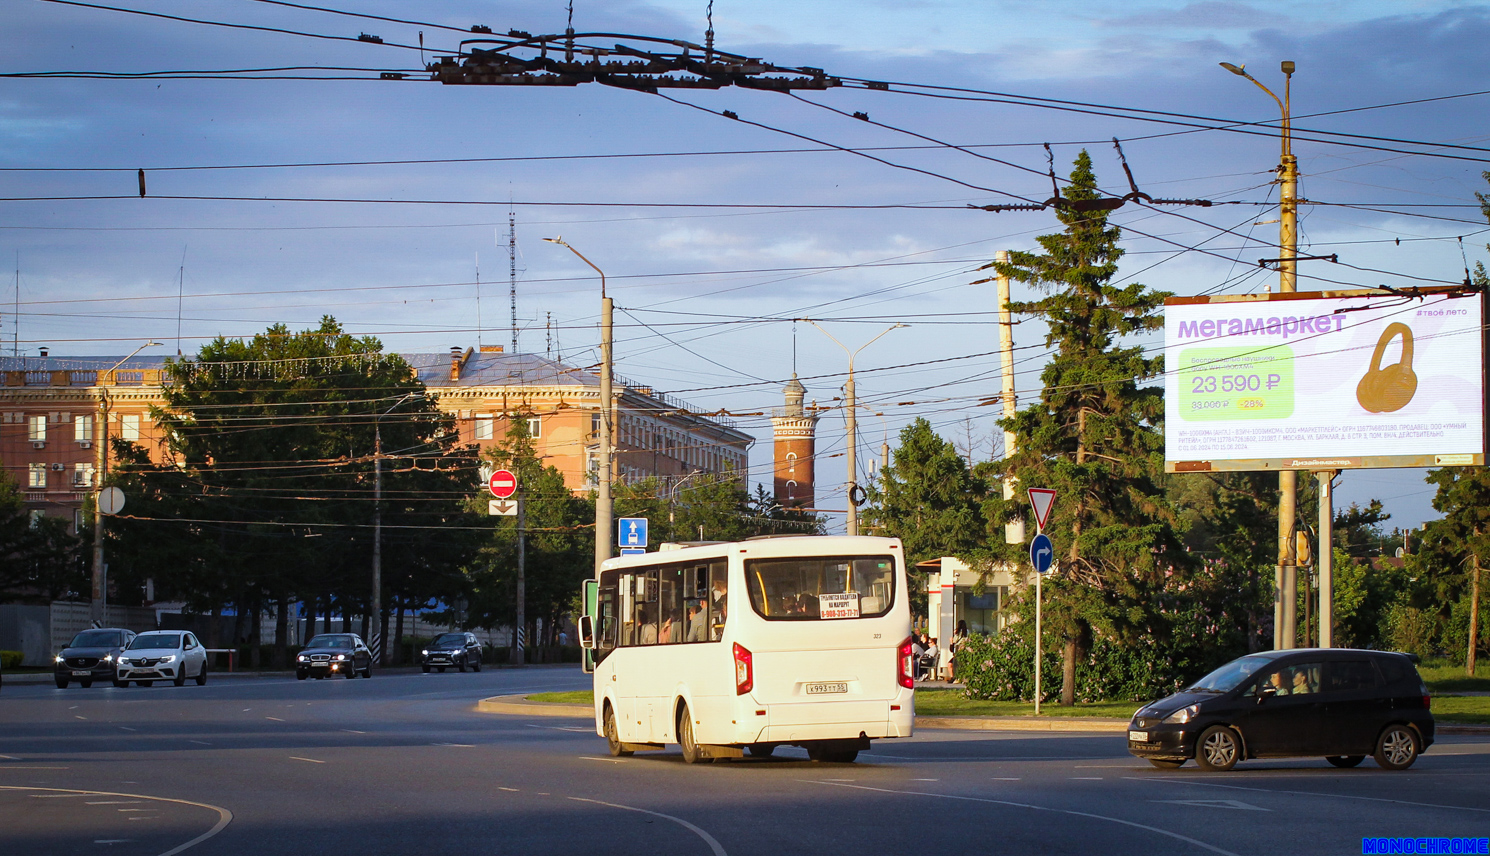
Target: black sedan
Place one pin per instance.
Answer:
(92, 655)
(1339, 703)
(334, 654)
(452, 649)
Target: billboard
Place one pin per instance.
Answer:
(1324, 380)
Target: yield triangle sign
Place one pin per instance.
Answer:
(1041, 499)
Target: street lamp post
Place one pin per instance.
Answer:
(1285, 604)
(375, 612)
(607, 420)
(100, 580)
(853, 424)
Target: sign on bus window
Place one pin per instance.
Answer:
(821, 588)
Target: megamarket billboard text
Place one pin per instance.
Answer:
(1324, 380)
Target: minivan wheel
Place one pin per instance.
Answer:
(1218, 749)
(1167, 763)
(61, 683)
(1397, 748)
(612, 736)
(1344, 760)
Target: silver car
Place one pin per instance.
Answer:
(170, 655)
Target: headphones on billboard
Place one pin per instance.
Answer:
(1385, 389)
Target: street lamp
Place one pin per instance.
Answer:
(100, 580)
(1285, 604)
(853, 425)
(607, 420)
(375, 612)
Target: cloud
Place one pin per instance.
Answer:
(1212, 15)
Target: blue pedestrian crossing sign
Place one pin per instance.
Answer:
(631, 532)
(1042, 553)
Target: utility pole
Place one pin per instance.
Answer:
(1014, 530)
(100, 580)
(375, 610)
(852, 427)
(1324, 558)
(1285, 604)
(603, 515)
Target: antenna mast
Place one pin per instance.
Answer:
(512, 270)
(478, 301)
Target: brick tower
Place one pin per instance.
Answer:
(796, 443)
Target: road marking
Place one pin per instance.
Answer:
(10, 757)
(141, 818)
(708, 839)
(74, 707)
(509, 790)
(55, 796)
(127, 728)
(914, 780)
(1176, 781)
(456, 745)
(351, 731)
(112, 840)
(133, 809)
(224, 817)
(33, 768)
(840, 780)
(598, 758)
(312, 760)
(111, 802)
(1005, 779)
(1197, 842)
(1232, 804)
(275, 718)
(201, 742)
(1086, 778)
(75, 716)
(561, 728)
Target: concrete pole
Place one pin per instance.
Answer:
(522, 577)
(853, 448)
(603, 513)
(1014, 530)
(375, 612)
(1325, 558)
(101, 466)
(1288, 240)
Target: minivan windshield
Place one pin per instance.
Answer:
(155, 640)
(449, 639)
(329, 642)
(95, 639)
(1231, 675)
(820, 587)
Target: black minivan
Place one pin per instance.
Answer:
(1341, 703)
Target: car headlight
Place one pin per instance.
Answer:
(424, 653)
(57, 658)
(1183, 715)
(169, 658)
(108, 658)
(301, 659)
(341, 656)
(123, 661)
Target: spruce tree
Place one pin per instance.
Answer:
(928, 498)
(1095, 435)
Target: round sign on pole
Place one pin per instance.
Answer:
(502, 484)
(1042, 553)
(111, 500)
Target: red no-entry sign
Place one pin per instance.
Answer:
(502, 483)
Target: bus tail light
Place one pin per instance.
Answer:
(906, 664)
(744, 670)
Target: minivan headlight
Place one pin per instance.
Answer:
(1183, 715)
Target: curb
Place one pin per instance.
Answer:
(518, 705)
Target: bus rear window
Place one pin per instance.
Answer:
(821, 588)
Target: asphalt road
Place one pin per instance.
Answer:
(403, 764)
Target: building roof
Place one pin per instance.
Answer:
(486, 368)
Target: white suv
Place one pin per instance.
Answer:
(173, 655)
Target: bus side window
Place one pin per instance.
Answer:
(670, 605)
(718, 599)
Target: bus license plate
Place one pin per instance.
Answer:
(832, 687)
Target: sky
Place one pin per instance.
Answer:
(714, 233)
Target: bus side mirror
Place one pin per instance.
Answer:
(587, 631)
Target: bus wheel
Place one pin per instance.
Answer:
(832, 754)
(691, 752)
(762, 750)
(612, 737)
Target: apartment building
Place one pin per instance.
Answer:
(52, 410)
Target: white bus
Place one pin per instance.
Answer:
(729, 647)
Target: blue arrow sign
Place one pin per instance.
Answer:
(1042, 553)
(632, 531)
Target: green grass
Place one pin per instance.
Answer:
(1471, 709)
(956, 703)
(576, 697)
(1444, 677)
(1446, 708)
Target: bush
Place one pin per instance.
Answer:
(11, 659)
